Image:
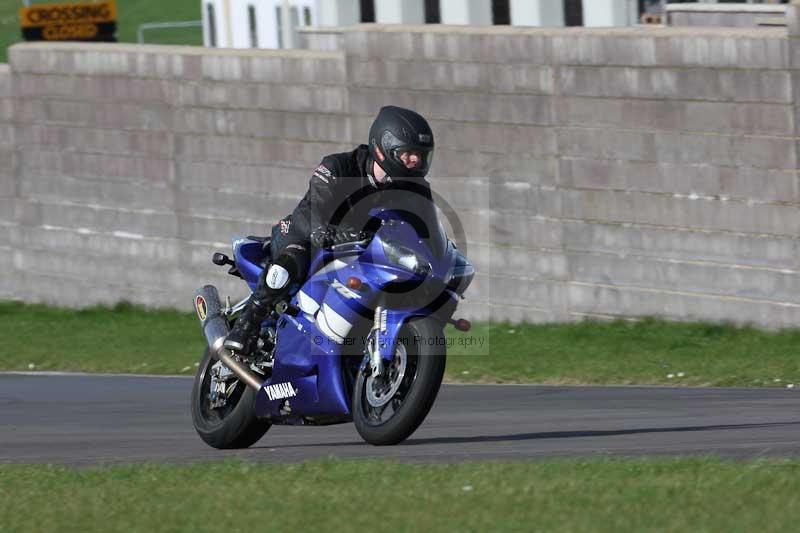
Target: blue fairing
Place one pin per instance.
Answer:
(313, 371)
(250, 259)
(307, 378)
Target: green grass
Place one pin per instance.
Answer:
(624, 352)
(130, 13)
(662, 495)
(10, 32)
(130, 339)
(99, 339)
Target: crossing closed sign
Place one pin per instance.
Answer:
(95, 21)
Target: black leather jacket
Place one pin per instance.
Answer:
(341, 193)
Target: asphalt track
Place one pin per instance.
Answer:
(86, 420)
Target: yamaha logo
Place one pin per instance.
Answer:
(280, 391)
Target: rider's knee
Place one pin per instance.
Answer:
(288, 267)
(277, 277)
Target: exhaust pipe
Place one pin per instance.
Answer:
(215, 328)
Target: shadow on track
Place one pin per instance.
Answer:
(555, 435)
(592, 433)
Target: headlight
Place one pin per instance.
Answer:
(401, 255)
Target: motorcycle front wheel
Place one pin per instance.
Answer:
(387, 409)
(223, 408)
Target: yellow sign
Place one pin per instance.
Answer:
(63, 32)
(60, 22)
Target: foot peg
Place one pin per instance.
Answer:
(234, 345)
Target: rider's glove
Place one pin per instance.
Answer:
(325, 236)
(343, 236)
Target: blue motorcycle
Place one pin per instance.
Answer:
(362, 340)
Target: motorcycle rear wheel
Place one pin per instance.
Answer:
(419, 367)
(231, 426)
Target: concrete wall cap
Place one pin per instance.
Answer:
(727, 8)
(171, 49)
(627, 31)
(326, 30)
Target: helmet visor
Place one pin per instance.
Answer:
(415, 158)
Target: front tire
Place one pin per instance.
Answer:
(412, 396)
(233, 425)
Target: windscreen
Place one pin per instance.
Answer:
(437, 238)
(412, 203)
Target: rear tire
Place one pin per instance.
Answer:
(234, 425)
(414, 398)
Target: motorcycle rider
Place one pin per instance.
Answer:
(335, 209)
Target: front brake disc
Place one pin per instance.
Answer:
(381, 389)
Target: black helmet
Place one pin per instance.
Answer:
(399, 134)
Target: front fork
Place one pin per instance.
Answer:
(378, 329)
(383, 338)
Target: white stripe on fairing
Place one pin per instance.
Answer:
(307, 304)
(326, 329)
(337, 264)
(337, 322)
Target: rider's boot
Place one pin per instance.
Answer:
(245, 330)
(272, 285)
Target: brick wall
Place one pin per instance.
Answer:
(8, 181)
(136, 163)
(614, 172)
(629, 171)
